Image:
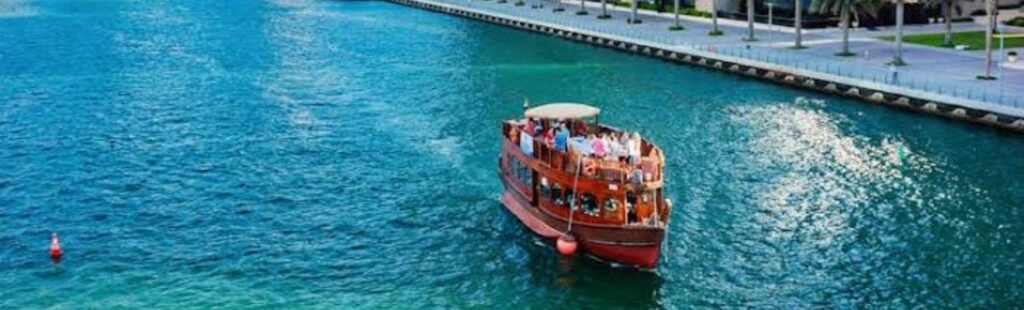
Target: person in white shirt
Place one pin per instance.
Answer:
(614, 148)
(633, 148)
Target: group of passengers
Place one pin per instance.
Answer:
(610, 146)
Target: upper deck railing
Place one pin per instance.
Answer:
(651, 159)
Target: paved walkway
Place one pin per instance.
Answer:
(936, 70)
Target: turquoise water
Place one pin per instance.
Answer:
(332, 154)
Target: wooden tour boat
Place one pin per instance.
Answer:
(613, 209)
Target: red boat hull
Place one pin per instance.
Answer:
(634, 247)
(642, 256)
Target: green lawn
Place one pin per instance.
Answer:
(974, 39)
(683, 10)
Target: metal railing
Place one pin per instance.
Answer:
(988, 92)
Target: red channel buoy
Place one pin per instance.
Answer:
(55, 251)
(566, 245)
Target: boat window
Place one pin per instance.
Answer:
(589, 204)
(522, 172)
(630, 199)
(570, 197)
(556, 195)
(631, 216)
(648, 196)
(545, 188)
(610, 204)
(528, 176)
(516, 167)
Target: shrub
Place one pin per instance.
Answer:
(1016, 21)
(694, 12)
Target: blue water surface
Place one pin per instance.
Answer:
(340, 155)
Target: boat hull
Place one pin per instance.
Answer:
(634, 246)
(641, 256)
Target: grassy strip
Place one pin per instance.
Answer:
(689, 11)
(975, 40)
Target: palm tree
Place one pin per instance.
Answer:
(948, 20)
(845, 9)
(604, 10)
(750, 21)
(676, 25)
(897, 58)
(798, 22)
(632, 15)
(714, 19)
(990, 7)
(947, 17)
(583, 8)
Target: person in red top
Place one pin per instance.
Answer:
(580, 128)
(530, 127)
(549, 136)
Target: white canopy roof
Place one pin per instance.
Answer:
(562, 111)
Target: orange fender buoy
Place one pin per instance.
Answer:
(55, 251)
(566, 245)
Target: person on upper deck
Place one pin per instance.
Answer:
(530, 127)
(620, 153)
(612, 145)
(561, 138)
(580, 128)
(633, 148)
(597, 146)
(549, 136)
(625, 138)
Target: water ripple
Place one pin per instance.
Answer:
(336, 154)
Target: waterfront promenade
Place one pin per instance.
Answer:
(943, 76)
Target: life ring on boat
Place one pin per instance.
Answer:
(589, 167)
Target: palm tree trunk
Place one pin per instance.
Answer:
(845, 25)
(947, 40)
(798, 23)
(714, 18)
(750, 20)
(897, 58)
(604, 8)
(989, 9)
(632, 15)
(675, 8)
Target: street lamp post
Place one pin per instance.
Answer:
(1002, 53)
(897, 56)
(990, 22)
(750, 21)
(771, 26)
(1002, 58)
(798, 22)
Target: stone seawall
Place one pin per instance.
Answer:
(878, 93)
